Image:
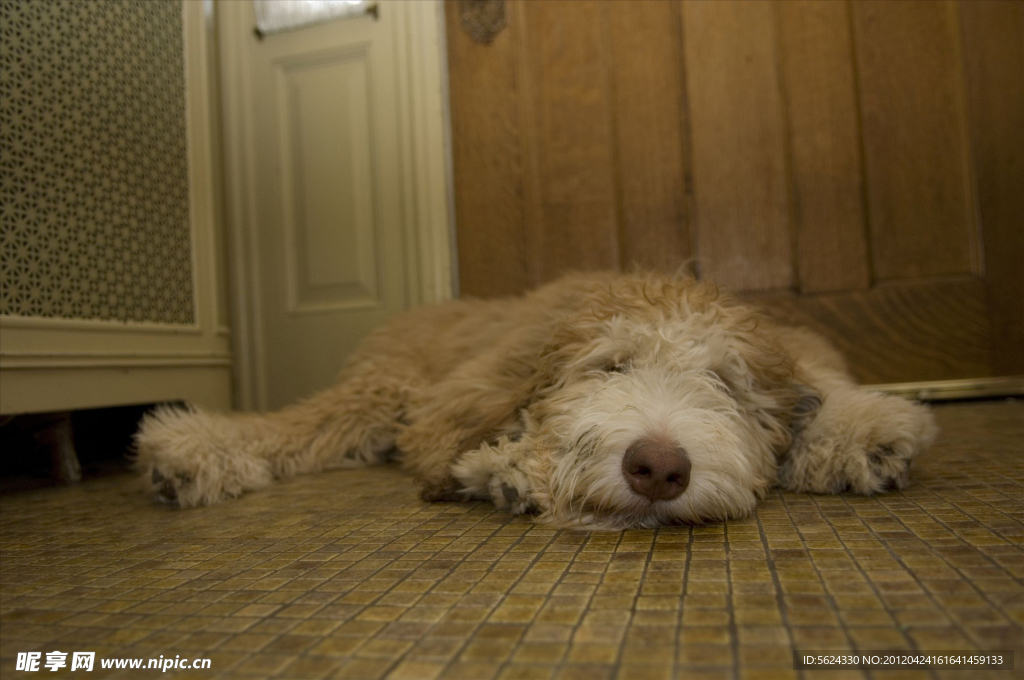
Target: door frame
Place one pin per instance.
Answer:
(426, 176)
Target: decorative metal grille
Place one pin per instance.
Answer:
(94, 198)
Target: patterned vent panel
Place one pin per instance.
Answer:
(94, 163)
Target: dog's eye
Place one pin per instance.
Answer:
(616, 368)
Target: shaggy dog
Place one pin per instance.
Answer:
(601, 401)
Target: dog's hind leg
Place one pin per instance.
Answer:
(192, 457)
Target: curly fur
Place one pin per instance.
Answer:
(531, 402)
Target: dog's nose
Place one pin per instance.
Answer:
(655, 469)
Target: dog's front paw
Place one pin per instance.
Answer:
(165, 489)
(859, 441)
(187, 458)
(510, 490)
(440, 490)
(888, 468)
(492, 473)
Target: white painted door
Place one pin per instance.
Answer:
(328, 249)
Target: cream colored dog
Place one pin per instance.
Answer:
(597, 401)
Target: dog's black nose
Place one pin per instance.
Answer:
(656, 469)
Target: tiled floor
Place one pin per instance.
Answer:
(348, 575)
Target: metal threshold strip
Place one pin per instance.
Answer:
(948, 390)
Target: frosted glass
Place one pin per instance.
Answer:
(273, 16)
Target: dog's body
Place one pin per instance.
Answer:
(597, 401)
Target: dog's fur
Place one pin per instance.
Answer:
(531, 403)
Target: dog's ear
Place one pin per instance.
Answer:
(755, 369)
(579, 344)
(562, 357)
(760, 375)
(805, 409)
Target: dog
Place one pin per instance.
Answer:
(598, 401)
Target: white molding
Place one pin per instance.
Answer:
(194, 140)
(448, 283)
(13, 361)
(199, 107)
(943, 390)
(233, 20)
(57, 388)
(424, 108)
(60, 323)
(296, 308)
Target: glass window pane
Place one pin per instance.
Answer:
(281, 15)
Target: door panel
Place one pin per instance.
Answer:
(490, 173)
(856, 166)
(994, 68)
(647, 108)
(325, 111)
(571, 185)
(737, 136)
(827, 170)
(906, 332)
(915, 141)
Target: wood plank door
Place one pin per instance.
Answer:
(855, 166)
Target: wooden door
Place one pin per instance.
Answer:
(858, 167)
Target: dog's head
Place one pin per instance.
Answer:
(658, 401)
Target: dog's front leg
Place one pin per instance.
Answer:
(848, 438)
(497, 473)
(858, 441)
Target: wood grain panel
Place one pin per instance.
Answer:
(572, 176)
(994, 60)
(737, 137)
(900, 332)
(487, 160)
(647, 106)
(828, 189)
(914, 139)
(861, 153)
